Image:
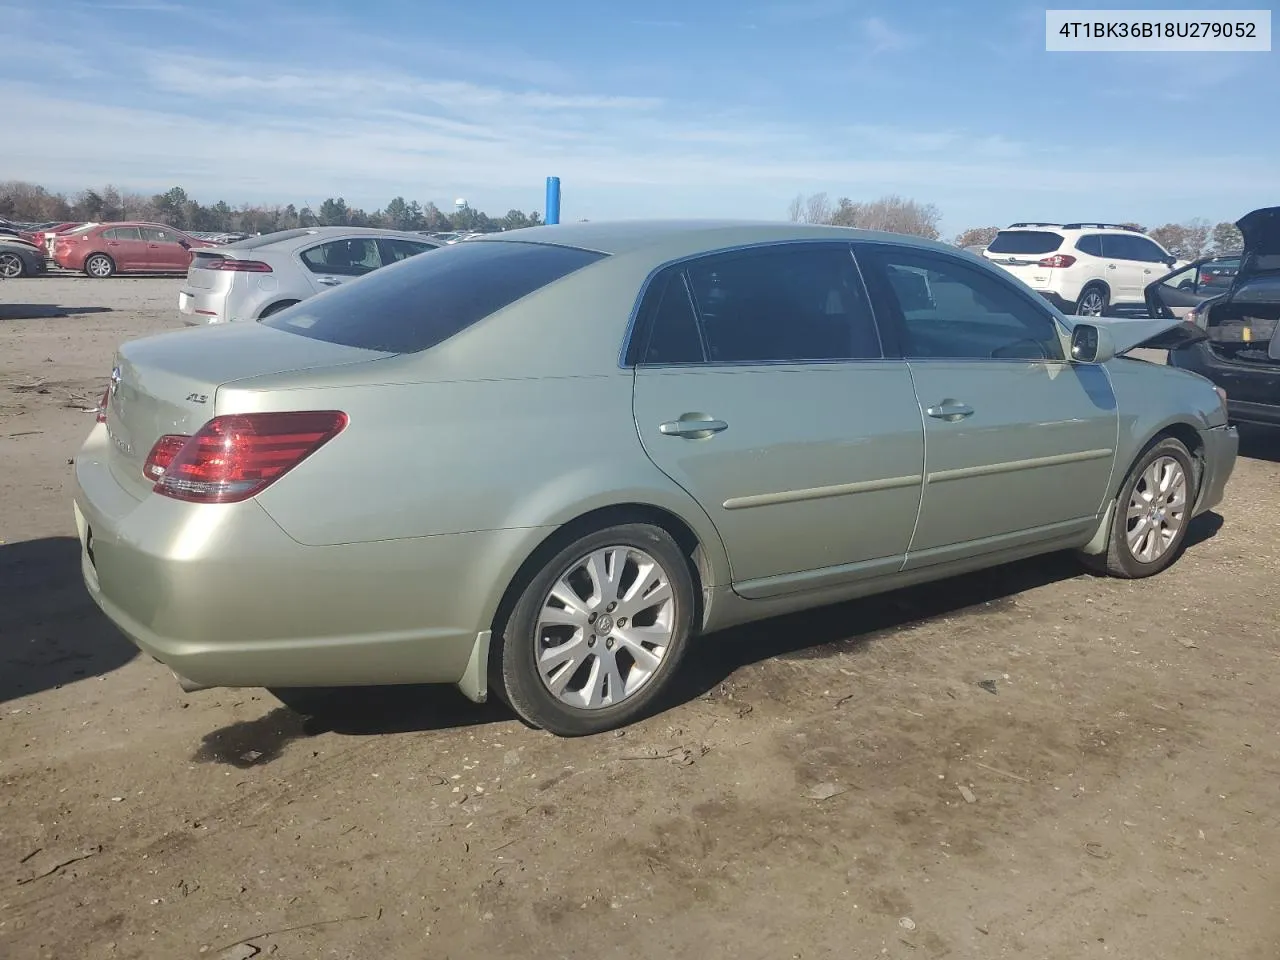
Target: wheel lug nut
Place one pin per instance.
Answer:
(591, 640)
(609, 643)
(609, 608)
(621, 622)
(591, 618)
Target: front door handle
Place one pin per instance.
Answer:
(1111, 266)
(328, 281)
(950, 410)
(692, 427)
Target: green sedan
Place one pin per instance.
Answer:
(536, 464)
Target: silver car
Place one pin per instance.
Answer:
(258, 276)
(538, 463)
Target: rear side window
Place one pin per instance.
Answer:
(422, 301)
(1092, 245)
(1025, 241)
(122, 233)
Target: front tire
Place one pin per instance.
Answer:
(1152, 513)
(99, 266)
(598, 631)
(11, 266)
(1093, 301)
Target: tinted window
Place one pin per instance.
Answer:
(795, 302)
(344, 258)
(156, 235)
(1141, 249)
(394, 250)
(122, 233)
(1025, 241)
(422, 301)
(673, 327)
(1092, 245)
(953, 310)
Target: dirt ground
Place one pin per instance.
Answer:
(1029, 763)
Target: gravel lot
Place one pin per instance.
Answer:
(1030, 762)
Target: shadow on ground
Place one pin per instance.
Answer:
(44, 311)
(51, 632)
(1260, 443)
(816, 633)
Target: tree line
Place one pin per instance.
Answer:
(1188, 240)
(32, 203)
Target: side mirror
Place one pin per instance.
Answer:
(1090, 344)
(1170, 261)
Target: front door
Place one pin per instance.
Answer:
(164, 253)
(761, 388)
(1019, 442)
(1177, 294)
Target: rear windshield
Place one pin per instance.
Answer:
(1025, 241)
(249, 243)
(421, 301)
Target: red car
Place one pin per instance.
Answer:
(104, 249)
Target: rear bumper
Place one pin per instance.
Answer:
(222, 596)
(197, 307)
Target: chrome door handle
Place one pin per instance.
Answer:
(1111, 266)
(328, 281)
(950, 410)
(692, 429)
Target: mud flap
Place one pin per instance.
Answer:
(475, 681)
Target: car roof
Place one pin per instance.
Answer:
(675, 237)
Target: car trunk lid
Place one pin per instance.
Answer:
(168, 384)
(200, 276)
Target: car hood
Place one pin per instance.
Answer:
(1155, 334)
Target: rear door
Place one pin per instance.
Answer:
(125, 246)
(1019, 442)
(763, 390)
(1129, 266)
(334, 262)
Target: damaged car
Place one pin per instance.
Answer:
(1239, 350)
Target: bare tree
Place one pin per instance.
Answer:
(817, 209)
(796, 211)
(976, 237)
(1187, 241)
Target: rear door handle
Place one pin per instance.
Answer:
(950, 410)
(328, 281)
(1111, 266)
(692, 429)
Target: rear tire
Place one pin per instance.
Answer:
(99, 266)
(570, 659)
(1152, 514)
(1093, 301)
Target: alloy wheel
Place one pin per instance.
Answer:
(1090, 304)
(10, 266)
(604, 628)
(1157, 510)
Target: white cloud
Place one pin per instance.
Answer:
(884, 38)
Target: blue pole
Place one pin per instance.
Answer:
(553, 200)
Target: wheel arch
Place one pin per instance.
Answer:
(276, 306)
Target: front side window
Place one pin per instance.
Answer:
(344, 258)
(952, 310)
(793, 302)
(156, 235)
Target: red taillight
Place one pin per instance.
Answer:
(235, 457)
(162, 455)
(236, 266)
(102, 405)
(1057, 260)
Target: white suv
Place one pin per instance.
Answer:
(1082, 268)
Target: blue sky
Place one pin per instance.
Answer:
(698, 108)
